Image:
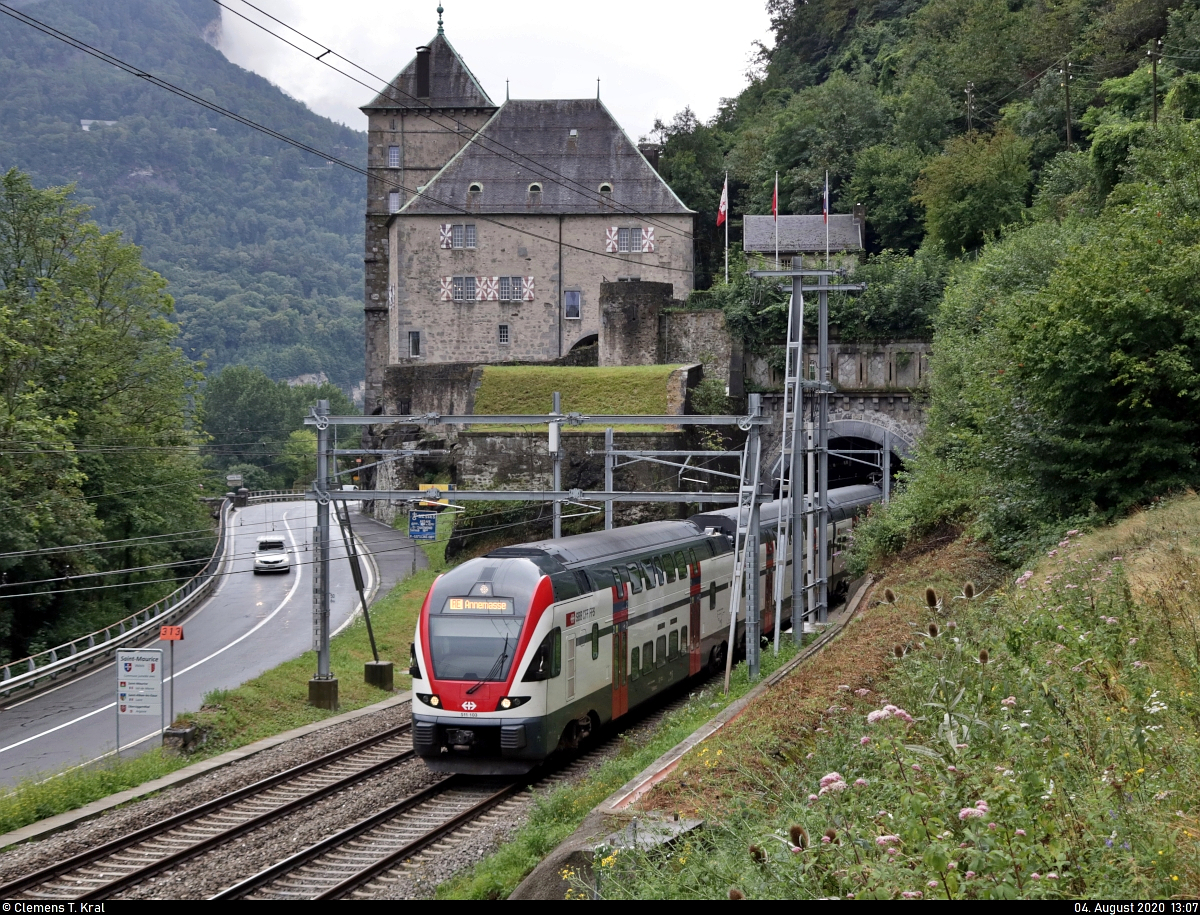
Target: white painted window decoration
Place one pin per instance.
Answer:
(393, 201)
(502, 336)
(393, 157)
(572, 304)
(527, 289)
(486, 286)
(631, 240)
(460, 235)
(447, 288)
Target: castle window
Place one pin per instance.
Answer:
(502, 336)
(510, 289)
(464, 289)
(606, 188)
(629, 240)
(572, 304)
(393, 157)
(469, 236)
(393, 201)
(414, 344)
(458, 236)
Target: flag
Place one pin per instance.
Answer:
(775, 199)
(723, 208)
(826, 203)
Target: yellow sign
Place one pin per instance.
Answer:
(469, 604)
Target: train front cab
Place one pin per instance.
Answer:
(492, 667)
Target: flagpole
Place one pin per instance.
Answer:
(826, 220)
(727, 230)
(775, 207)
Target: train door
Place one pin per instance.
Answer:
(695, 662)
(768, 613)
(620, 649)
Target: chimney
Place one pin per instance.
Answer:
(650, 151)
(423, 72)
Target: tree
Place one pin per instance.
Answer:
(884, 180)
(94, 416)
(300, 456)
(974, 189)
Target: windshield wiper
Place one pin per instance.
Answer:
(495, 668)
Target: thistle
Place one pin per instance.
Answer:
(931, 598)
(933, 630)
(735, 893)
(969, 590)
(983, 656)
(799, 835)
(758, 854)
(889, 596)
(952, 625)
(831, 834)
(898, 651)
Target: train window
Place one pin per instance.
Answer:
(660, 651)
(595, 641)
(681, 566)
(634, 666)
(712, 595)
(547, 661)
(667, 564)
(683, 640)
(647, 657)
(673, 645)
(692, 557)
(635, 578)
(658, 568)
(647, 580)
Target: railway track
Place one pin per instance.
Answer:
(107, 869)
(363, 860)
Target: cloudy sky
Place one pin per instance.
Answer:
(652, 58)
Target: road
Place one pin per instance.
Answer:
(250, 624)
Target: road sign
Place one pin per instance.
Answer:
(170, 634)
(422, 525)
(139, 682)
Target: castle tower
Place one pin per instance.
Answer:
(414, 127)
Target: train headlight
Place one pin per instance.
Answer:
(429, 699)
(509, 702)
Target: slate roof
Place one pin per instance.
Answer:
(802, 233)
(451, 83)
(541, 130)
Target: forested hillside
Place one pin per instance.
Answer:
(261, 243)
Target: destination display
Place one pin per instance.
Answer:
(478, 605)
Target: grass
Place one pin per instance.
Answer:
(530, 389)
(271, 703)
(557, 814)
(1045, 746)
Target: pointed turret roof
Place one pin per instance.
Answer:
(451, 83)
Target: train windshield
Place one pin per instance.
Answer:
(471, 647)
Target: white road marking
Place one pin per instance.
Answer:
(291, 593)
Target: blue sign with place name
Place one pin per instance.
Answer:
(422, 525)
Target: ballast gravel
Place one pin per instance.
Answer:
(114, 823)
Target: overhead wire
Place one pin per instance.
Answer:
(489, 144)
(120, 64)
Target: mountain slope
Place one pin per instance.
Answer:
(261, 243)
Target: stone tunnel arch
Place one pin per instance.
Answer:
(862, 434)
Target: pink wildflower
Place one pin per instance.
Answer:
(864, 740)
(887, 840)
(1035, 876)
(825, 840)
(811, 798)
(1064, 543)
(878, 715)
(912, 894)
(1116, 558)
(951, 768)
(893, 851)
(849, 895)
(862, 692)
(903, 716)
(982, 805)
(1052, 876)
(969, 874)
(932, 884)
(834, 786)
(917, 768)
(953, 865)
(831, 778)
(860, 783)
(991, 825)
(843, 688)
(1020, 832)
(1052, 553)
(810, 755)
(1133, 641)
(1072, 533)
(970, 813)
(1024, 578)
(1010, 701)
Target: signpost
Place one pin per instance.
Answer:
(139, 685)
(171, 634)
(422, 525)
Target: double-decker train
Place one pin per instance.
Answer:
(530, 648)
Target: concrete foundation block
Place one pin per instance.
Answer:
(323, 693)
(378, 674)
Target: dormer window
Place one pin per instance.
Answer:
(606, 188)
(573, 139)
(535, 189)
(475, 188)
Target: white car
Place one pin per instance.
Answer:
(271, 555)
